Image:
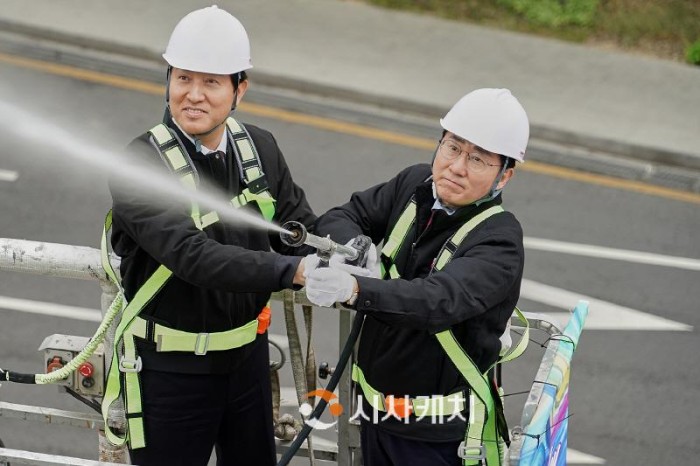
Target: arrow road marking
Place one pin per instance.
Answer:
(627, 255)
(7, 175)
(602, 315)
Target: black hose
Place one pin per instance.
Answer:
(17, 377)
(335, 378)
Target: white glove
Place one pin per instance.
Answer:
(327, 286)
(310, 264)
(372, 269)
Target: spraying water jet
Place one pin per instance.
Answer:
(125, 168)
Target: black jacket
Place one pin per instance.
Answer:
(474, 294)
(223, 275)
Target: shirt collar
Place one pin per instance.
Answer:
(438, 205)
(205, 150)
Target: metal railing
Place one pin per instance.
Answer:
(544, 408)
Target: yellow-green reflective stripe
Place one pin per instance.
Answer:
(473, 222)
(209, 219)
(189, 181)
(233, 125)
(443, 259)
(465, 365)
(475, 430)
(456, 239)
(161, 134)
(176, 158)
(394, 272)
(104, 250)
(373, 397)
(137, 436)
(168, 339)
(265, 201)
(113, 387)
(480, 387)
(245, 147)
(252, 174)
(517, 350)
(400, 230)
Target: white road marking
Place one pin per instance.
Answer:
(577, 457)
(51, 309)
(627, 255)
(8, 175)
(602, 315)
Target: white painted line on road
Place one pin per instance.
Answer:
(577, 457)
(8, 175)
(83, 313)
(588, 250)
(602, 315)
(51, 309)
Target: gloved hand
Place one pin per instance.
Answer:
(372, 268)
(327, 286)
(310, 264)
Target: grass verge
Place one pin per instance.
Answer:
(667, 29)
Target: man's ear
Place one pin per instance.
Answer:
(507, 175)
(242, 87)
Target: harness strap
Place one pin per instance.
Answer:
(251, 168)
(482, 431)
(122, 377)
(169, 339)
(451, 245)
(396, 239)
(129, 365)
(482, 444)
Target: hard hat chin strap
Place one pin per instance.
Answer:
(494, 192)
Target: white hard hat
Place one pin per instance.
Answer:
(492, 119)
(209, 40)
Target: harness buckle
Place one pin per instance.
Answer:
(471, 453)
(130, 365)
(201, 347)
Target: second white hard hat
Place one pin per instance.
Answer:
(492, 119)
(209, 40)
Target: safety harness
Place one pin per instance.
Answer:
(123, 376)
(487, 432)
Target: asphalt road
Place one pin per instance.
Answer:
(633, 392)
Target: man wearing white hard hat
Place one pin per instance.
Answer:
(451, 267)
(191, 354)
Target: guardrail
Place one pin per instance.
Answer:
(541, 439)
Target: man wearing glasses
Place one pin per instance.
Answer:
(451, 267)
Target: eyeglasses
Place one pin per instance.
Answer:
(451, 150)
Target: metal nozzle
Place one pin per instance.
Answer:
(296, 235)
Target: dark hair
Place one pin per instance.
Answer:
(238, 78)
(508, 162)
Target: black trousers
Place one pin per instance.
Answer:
(380, 448)
(186, 416)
